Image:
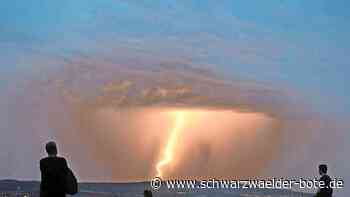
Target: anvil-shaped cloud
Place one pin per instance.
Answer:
(114, 122)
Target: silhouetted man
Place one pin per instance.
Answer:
(326, 190)
(53, 171)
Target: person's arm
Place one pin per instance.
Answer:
(43, 179)
(65, 165)
(318, 193)
(42, 172)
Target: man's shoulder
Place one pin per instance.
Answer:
(61, 158)
(43, 160)
(327, 179)
(53, 159)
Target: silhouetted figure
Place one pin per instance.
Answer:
(53, 173)
(325, 191)
(147, 193)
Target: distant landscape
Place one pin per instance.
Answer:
(16, 188)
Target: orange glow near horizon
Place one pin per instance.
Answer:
(171, 142)
(168, 154)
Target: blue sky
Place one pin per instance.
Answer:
(301, 44)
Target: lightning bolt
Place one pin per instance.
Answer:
(172, 140)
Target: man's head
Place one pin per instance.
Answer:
(51, 148)
(322, 169)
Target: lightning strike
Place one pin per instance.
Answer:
(172, 140)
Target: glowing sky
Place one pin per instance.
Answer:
(66, 61)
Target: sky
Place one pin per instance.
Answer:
(298, 43)
(300, 47)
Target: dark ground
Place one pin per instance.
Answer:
(11, 188)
